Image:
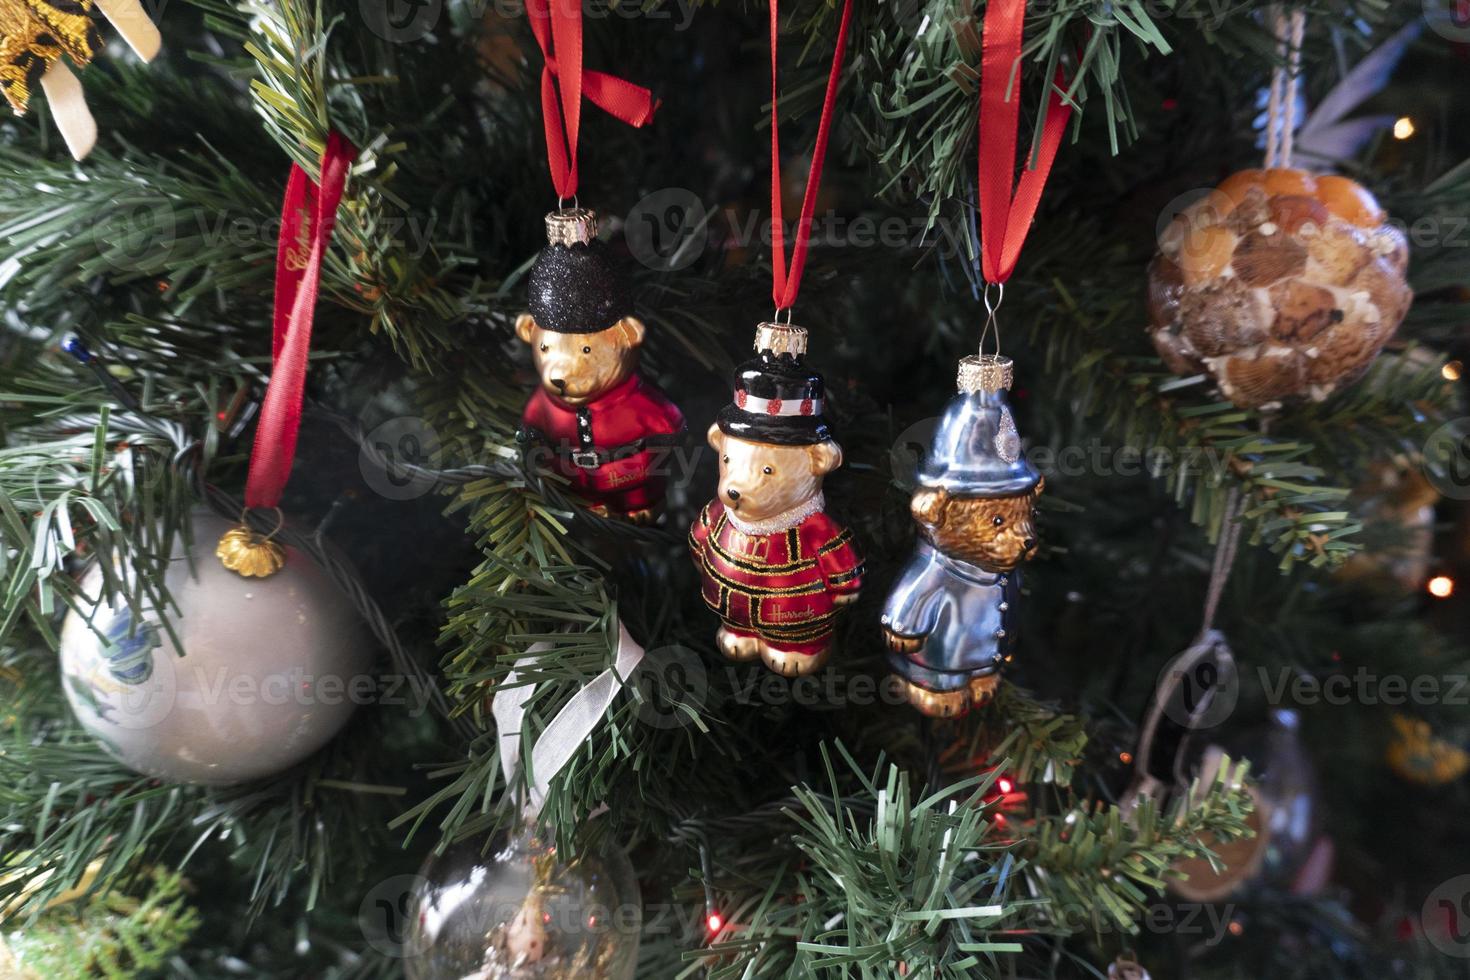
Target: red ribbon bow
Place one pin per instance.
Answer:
(1004, 220)
(558, 23)
(307, 215)
(787, 283)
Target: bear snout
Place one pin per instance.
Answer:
(560, 384)
(733, 494)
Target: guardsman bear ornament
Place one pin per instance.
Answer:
(773, 566)
(949, 622)
(605, 428)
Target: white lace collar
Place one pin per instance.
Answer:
(781, 522)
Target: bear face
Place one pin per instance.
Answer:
(762, 480)
(996, 533)
(578, 368)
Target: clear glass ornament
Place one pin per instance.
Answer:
(518, 912)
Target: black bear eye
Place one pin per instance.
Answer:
(998, 521)
(769, 471)
(544, 348)
(724, 459)
(586, 350)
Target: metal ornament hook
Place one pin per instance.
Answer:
(992, 308)
(280, 520)
(776, 317)
(561, 203)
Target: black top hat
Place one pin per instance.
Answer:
(576, 284)
(778, 399)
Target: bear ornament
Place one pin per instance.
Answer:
(949, 622)
(603, 427)
(773, 566)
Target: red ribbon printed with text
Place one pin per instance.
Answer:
(788, 282)
(557, 24)
(307, 214)
(1005, 220)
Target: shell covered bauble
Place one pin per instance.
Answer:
(1279, 285)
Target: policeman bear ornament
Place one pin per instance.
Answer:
(601, 425)
(949, 622)
(773, 566)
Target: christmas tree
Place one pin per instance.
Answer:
(323, 657)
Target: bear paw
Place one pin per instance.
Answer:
(936, 704)
(789, 663)
(737, 646)
(899, 643)
(983, 688)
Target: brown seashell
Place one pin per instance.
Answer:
(1214, 208)
(1272, 376)
(1391, 244)
(1302, 311)
(1289, 181)
(1205, 252)
(1238, 184)
(1349, 200)
(1336, 252)
(1176, 353)
(1346, 348)
(1251, 211)
(1221, 319)
(1173, 234)
(1261, 260)
(1389, 293)
(1165, 281)
(1290, 213)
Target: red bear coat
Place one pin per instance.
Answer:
(610, 430)
(780, 586)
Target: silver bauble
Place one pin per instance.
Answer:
(268, 671)
(520, 912)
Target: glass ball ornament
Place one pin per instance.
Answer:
(249, 676)
(1287, 850)
(518, 912)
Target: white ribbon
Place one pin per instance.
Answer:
(566, 732)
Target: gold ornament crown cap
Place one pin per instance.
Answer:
(571, 226)
(780, 338)
(245, 551)
(986, 372)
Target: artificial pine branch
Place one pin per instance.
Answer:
(114, 935)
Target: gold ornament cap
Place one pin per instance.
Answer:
(986, 372)
(245, 551)
(780, 338)
(571, 226)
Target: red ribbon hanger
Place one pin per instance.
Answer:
(558, 24)
(788, 283)
(1005, 220)
(307, 215)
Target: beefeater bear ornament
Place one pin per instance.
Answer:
(594, 420)
(773, 566)
(949, 622)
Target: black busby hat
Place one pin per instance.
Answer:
(778, 399)
(576, 283)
